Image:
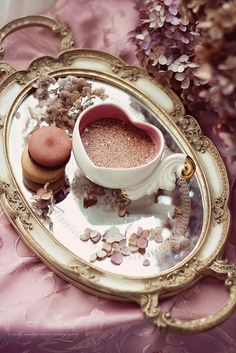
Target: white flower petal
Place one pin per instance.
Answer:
(181, 68)
(173, 10)
(140, 36)
(185, 84)
(179, 76)
(162, 59)
(175, 21)
(183, 58)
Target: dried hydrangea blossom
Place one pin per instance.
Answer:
(42, 203)
(165, 43)
(217, 58)
(42, 85)
(63, 100)
(202, 32)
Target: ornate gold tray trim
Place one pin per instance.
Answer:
(189, 133)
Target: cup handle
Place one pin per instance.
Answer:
(164, 177)
(164, 320)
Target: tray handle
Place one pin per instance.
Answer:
(67, 41)
(163, 320)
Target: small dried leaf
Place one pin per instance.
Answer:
(107, 247)
(142, 243)
(116, 258)
(146, 262)
(125, 250)
(101, 254)
(97, 238)
(46, 196)
(84, 237)
(93, 257)
(145, 233)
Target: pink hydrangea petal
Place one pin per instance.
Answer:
(140, 36)
(173, 10)
(162, 59)
(153, 16)
(168, 17)
(175, 21)
(181, 68)
(185, 40)
(185, 84)
(168, 2)
(183, 58)
(180, 76)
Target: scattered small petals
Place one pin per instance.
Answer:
(101, 254)
(93, 234)
(125, 250)
(47, 195)
(146, 262)
(118, 237)
(107, 247)
(97, 238)
(116, 247)
(133, 239)
(43, 203)
(142, 243)
(93, 257)
(116, 258)
(110, 239)
(133, 248)
(142, 251)
(122, 242)
(87, 231)
(84, 237)
(122, 211)
(139, 231)
(145, 233)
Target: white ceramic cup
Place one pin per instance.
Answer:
(137, 181)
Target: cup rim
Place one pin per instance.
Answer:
(78, 141)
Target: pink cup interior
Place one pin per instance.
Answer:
(111, 111)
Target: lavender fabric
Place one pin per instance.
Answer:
(39, 312)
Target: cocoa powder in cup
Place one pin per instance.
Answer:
(113, 143)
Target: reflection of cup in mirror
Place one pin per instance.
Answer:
(115, 151)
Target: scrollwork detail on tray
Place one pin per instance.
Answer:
(219, 208)
(192, 131)
(15, 202)
(222, 267)
(5, 70)
(84, 271)
(130, 73)
(176, 278)
(38, 68)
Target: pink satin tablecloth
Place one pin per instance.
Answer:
(39, 312)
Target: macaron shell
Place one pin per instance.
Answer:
(55, 186)
(38, 174)
(50, 147)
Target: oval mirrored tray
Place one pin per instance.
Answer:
(187, 227)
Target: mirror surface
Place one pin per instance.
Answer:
(175, 219)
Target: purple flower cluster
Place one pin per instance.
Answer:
(189, 45)
(165, 42)
(64, 99)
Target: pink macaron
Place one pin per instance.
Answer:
(50, 147)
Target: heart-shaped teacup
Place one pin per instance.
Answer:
(137, 181)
